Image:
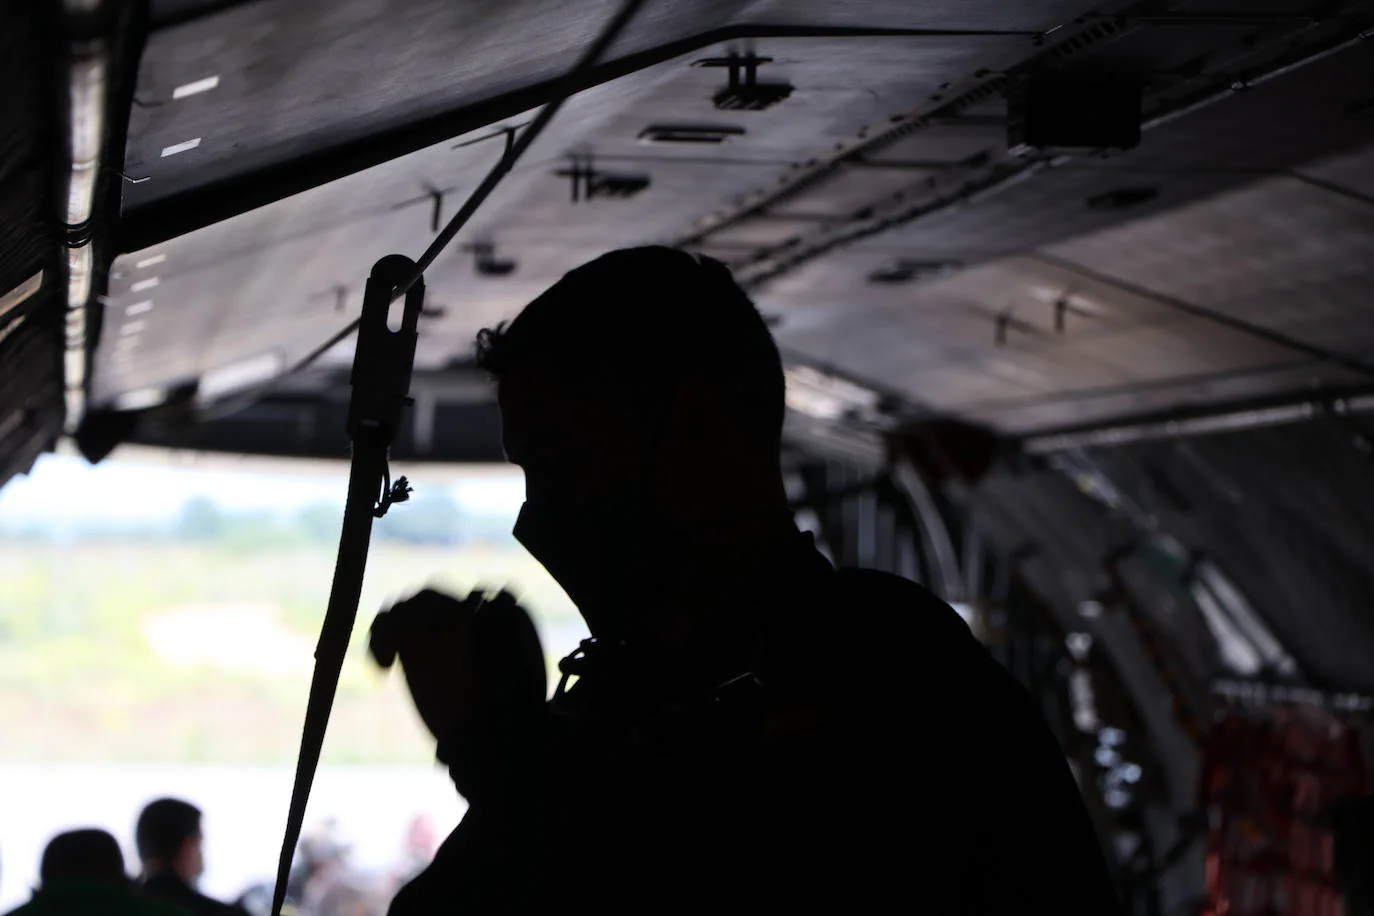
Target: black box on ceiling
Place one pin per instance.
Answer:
(1080, 113)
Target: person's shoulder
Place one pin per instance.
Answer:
(894, 604)
(176, 898)
(209, 906)
(158, 906)
(886, 633)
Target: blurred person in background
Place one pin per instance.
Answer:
(171, 845)
(82, 874)
(325, 881)
(421, 841)
(321, 859)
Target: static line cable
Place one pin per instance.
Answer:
(515, 148)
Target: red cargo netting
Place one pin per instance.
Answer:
(1272, 769)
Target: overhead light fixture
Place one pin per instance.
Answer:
(183, 147)
(130, 328)
(239, 375)
(195, 88)
(138, 308)
(139, 286)
(151, 261)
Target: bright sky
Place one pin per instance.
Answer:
(67, 488)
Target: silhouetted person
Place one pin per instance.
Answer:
(82, 874)
(171, 846)
(749, 728)
(1352, 822)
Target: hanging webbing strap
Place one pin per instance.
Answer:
(381, 379)
(382, 366)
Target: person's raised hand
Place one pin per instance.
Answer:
(466, 660)
(433, 635)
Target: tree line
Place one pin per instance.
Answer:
(431, 519)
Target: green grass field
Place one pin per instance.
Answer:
(140, 650)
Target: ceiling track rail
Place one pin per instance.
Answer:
(1225, 418)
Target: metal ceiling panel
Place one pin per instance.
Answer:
(269, 279)
(283, 277)
(257, 85)
(1018, 330)
(296, 77)
(1282, 253)
(1201, 140)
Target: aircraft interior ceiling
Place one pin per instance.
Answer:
(1160, 355)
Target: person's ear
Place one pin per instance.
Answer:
(189, 860)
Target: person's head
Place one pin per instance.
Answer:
(642, 391)
(169, 839)
(88, 855)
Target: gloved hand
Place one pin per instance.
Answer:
(432, 634)
(475, 669)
